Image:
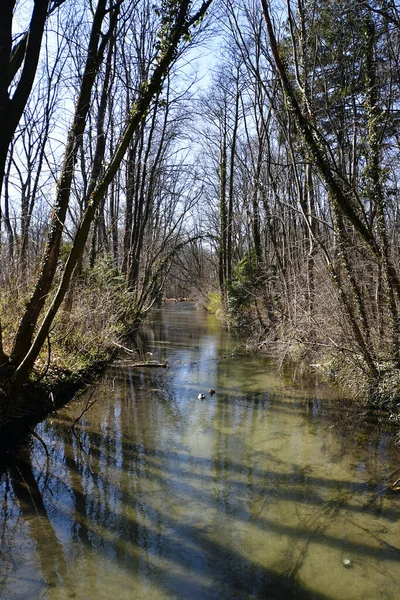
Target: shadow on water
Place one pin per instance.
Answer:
(234, 576)
(255, 493)
(28, 494)
(293, 485)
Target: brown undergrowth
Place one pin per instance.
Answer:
(85, 337)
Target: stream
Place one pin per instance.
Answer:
(264, 490)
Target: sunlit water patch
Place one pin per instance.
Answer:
(262, 491)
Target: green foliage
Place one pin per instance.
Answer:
(65, 250)
(104, 274)
(105, 281)
(242, 287)
(92, 317)
(169, 11)
(214, 303)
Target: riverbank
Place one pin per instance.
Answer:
(85, 337)
(337, 367)
(307, 351)
(19, 416)
(65, 373)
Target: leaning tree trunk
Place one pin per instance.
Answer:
(223, 218)
(35, 304)
(25, 55)
(373, 175)
(176, 31)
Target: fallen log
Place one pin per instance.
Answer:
(148, 364)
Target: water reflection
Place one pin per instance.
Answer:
(262, 491)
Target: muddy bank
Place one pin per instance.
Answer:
(19, 415)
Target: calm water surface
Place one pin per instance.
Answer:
(264, 491)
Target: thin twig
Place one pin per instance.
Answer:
(89, 404)
(41, 440)
(124, 348)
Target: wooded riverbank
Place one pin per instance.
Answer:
(260, 177)
(303, 364)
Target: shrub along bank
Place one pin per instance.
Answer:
(98, 314)
(319, 345)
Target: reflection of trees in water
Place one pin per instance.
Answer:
(157, 531)
(124, 501)
(132, 466)
(29, 497)
(365, 432)
(8, 532)
(184, 326)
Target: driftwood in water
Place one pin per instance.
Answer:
(148, 364)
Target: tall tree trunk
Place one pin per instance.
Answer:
(311, 234)
(176, 31)
(373, 175)
(35, 304)
(229, 243)
(223, 216)
(11, 108)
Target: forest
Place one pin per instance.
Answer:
(241, 154)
